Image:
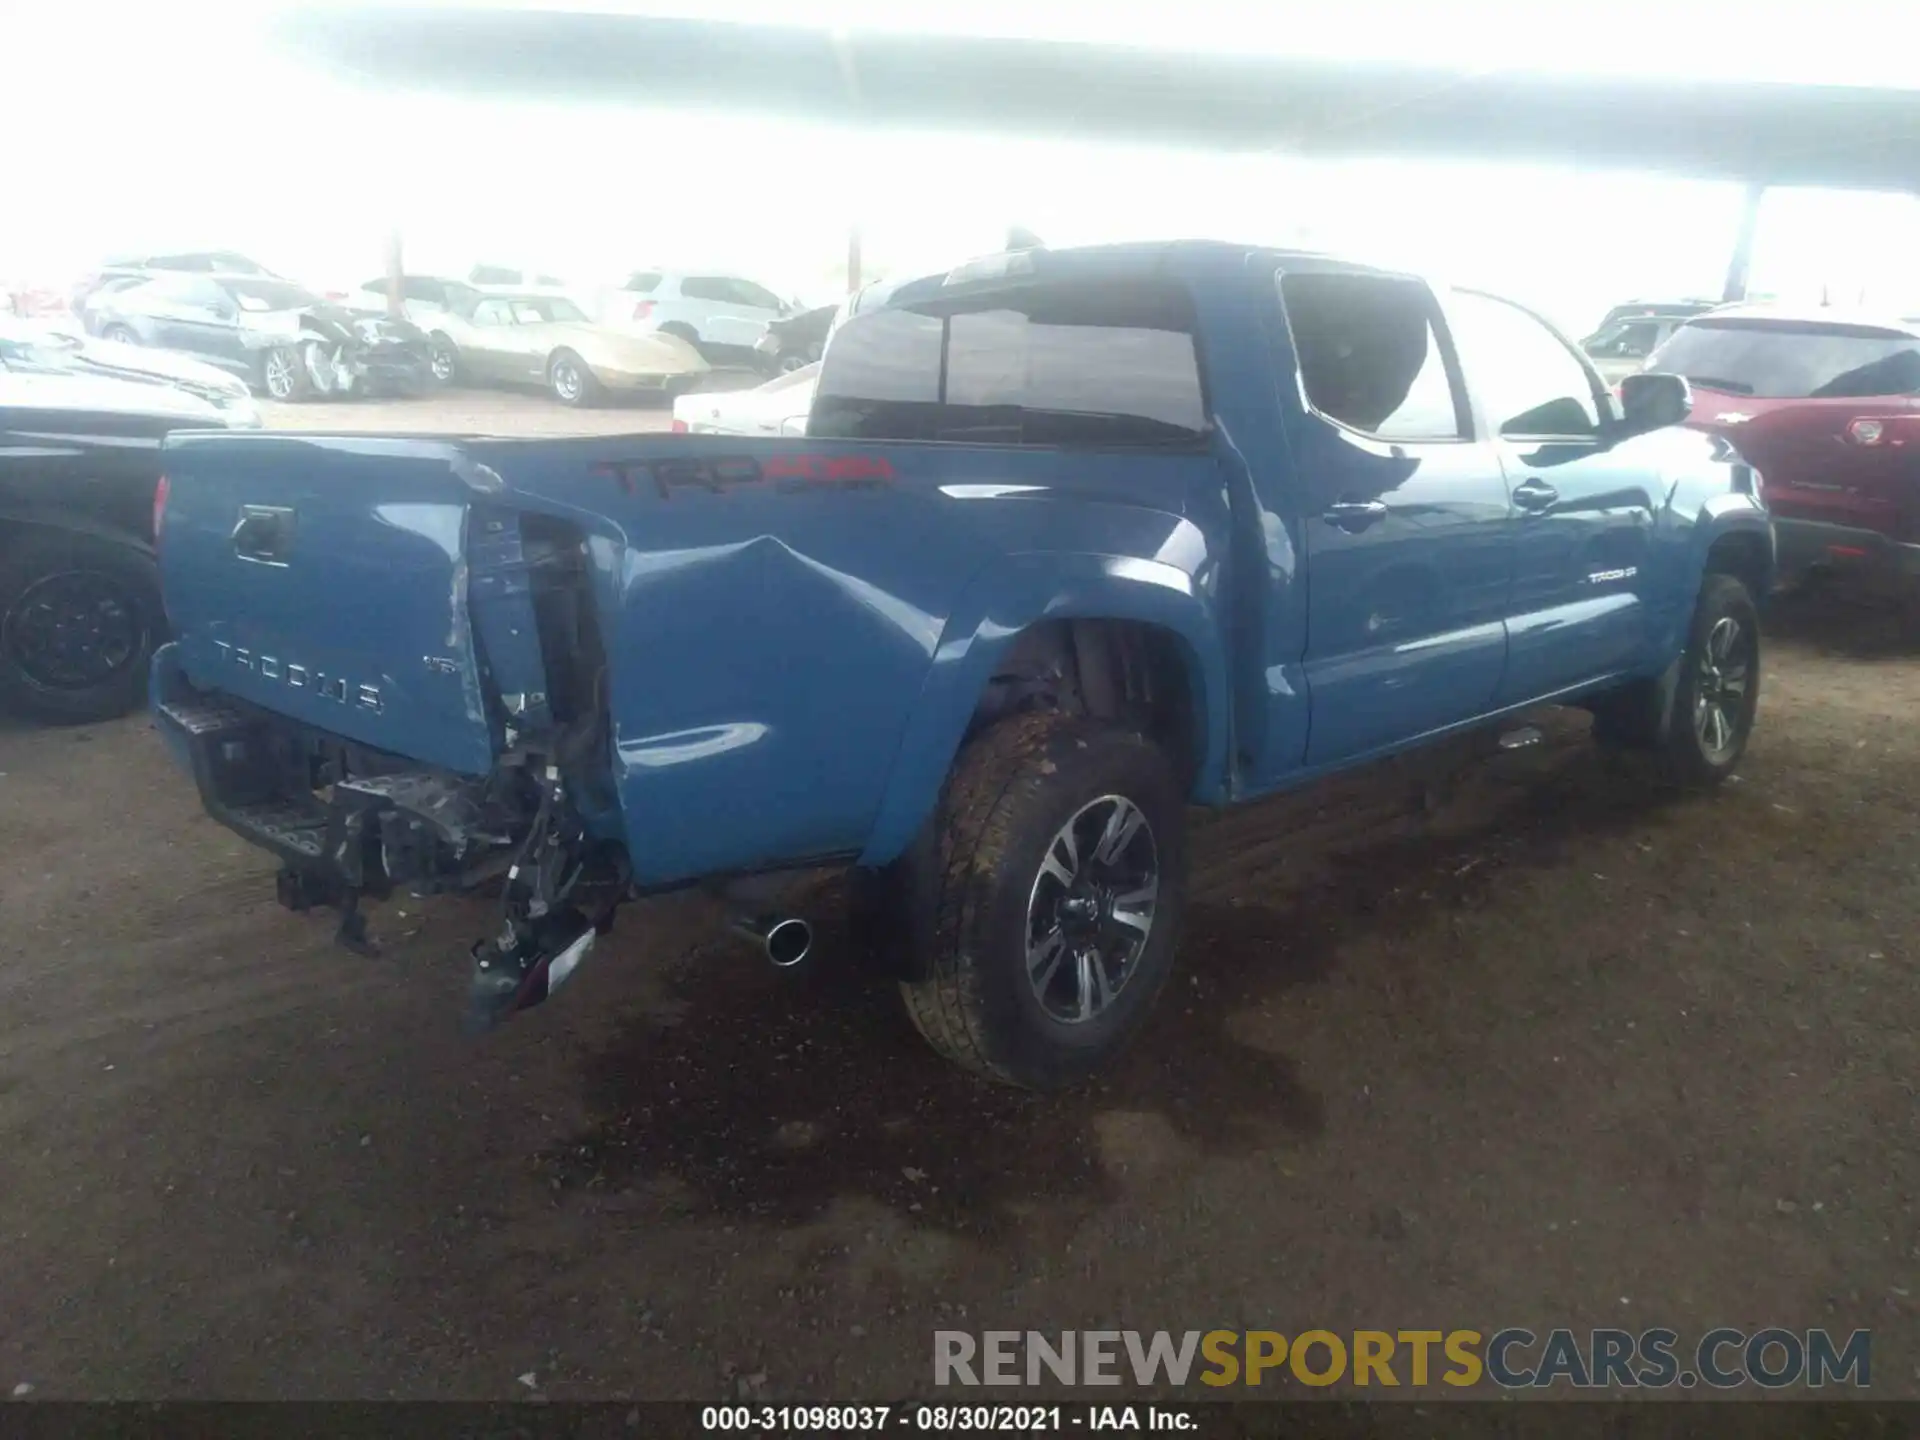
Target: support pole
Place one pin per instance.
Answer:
(1741, 266)
(396, 296)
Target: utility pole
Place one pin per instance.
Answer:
(853, 258)
(1741, 266)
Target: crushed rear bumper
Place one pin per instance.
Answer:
(256, 773)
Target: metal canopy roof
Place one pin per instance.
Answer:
(1708, 128)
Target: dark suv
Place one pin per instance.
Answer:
(1826, 406)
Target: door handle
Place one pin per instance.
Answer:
(264, 534)
(1355, 515)
(1534, 494)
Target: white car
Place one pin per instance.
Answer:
(778, 407)
(723, 314)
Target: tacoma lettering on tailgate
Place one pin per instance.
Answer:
(718, 474)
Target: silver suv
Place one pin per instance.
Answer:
(723, 315)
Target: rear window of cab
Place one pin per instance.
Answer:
(1087, 364)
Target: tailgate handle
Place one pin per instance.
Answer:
(263, 534)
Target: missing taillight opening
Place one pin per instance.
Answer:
(1866, 432)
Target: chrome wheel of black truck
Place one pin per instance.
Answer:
(78, 621)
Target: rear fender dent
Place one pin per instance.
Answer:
(1001, 604)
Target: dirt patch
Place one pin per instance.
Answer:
(1477, 1041)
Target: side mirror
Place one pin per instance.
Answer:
(1652, 401)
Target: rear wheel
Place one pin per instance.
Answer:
(445, 361)
(79, 618)
(570, 380)
(283, 374)
(1052, 912)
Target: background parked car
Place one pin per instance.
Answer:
(795, 341)
(538, 339)
(1630, 333)
(509, 277)
(723, 315)
(1826, 405)
(196, 262)
(80, 610)
(426, 300)
(778, 407)
(52, 348)
(273, 334)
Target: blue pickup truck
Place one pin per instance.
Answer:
(1075, 539)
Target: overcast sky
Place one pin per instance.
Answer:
(131, 129)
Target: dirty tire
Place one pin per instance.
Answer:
(1009, 794)
(52, 579)
(571, 382)
(1671, 738)
(1686, 758)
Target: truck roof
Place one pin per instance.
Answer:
(1111, 260)
(1809, 315)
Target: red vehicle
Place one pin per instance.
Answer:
(1826, 406)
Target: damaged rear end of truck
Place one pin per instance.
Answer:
(395, 688)
(578, 671)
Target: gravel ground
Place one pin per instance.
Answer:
(1488, 1041)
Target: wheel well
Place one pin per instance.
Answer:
(1122, 670)
(1743, 556)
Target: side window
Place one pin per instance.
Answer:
(644, 282)
(1108, 365)
(493, 312)
(1370, 355)
(708, 287)
(880, 379)
(190, 291)
(1533, 386)
(427, 292)
(1629, 340)
(758, 296)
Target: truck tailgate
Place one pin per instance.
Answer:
(326, 581)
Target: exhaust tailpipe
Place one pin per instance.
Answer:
(785, 939)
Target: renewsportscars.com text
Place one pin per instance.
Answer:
(1513, 1358)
